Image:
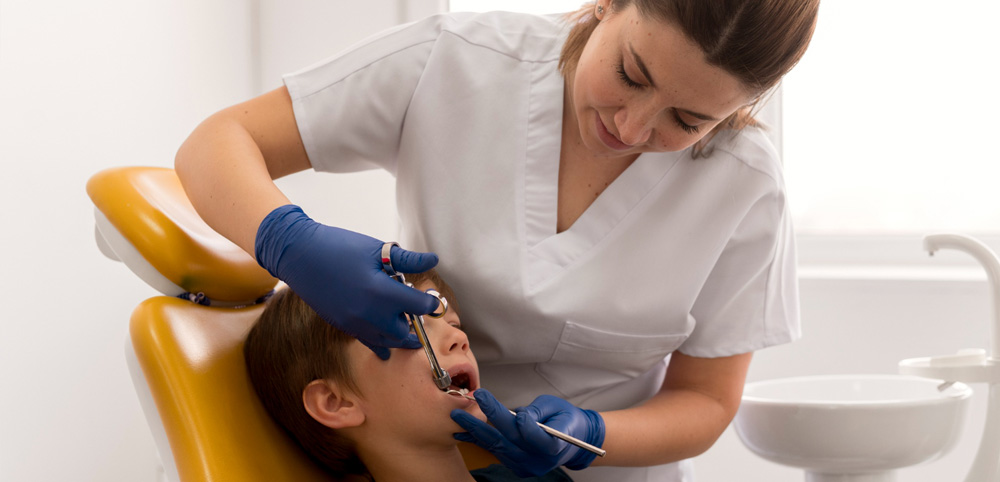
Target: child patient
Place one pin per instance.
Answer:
(359, 415)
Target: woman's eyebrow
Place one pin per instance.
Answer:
(698, 115)
(642, 66)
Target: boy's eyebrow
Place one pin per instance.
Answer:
(645, 71)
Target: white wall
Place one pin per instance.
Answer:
(85, 86)
(90, 85)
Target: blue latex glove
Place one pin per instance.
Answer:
(524, 447)
(339, 274)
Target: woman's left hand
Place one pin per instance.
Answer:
(523, 446)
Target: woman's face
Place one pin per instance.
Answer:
(399, 394)
(642, 86)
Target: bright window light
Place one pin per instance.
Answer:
(889, 116)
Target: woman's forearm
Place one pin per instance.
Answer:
(681, 421)
(228, 162)
(225, 177)
(669, 427)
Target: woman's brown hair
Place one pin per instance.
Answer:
(290, 346)
(756, 41)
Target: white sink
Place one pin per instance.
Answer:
(851, 427)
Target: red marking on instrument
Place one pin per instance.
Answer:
(385, 260)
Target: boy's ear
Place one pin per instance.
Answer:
(331, 405)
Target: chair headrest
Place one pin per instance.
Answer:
(145, 219)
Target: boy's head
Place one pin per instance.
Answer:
(335, 397)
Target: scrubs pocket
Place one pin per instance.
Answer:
(587, 359)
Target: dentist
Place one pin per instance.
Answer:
(605, 206)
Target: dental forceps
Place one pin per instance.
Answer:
(441, 377)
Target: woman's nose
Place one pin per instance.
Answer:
(635, 124)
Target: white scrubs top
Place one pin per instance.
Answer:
(676, 254)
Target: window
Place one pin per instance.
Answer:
(888, 119)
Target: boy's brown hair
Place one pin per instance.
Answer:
(290, 346)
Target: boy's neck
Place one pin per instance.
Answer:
(388, 462)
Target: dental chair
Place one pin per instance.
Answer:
(185, 349)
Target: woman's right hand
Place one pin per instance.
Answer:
(339, 274)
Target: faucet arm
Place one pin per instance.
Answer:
(990, 262)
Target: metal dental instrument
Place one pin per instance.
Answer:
(549, 430)
(441, 377)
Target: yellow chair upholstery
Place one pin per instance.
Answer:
(192, 358)
(148, 207)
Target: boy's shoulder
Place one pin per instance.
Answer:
(499, 473)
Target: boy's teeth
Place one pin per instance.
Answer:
(463, 391)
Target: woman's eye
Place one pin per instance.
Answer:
(625, 78)
(690, 129)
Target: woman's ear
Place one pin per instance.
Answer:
(601, 8)
(332, 405)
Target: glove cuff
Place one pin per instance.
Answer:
(584, 458)
(274, 230)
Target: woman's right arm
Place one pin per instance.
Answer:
(228, 163)
(227, 167)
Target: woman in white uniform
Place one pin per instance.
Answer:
(594, 188)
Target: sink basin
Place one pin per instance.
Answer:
(851, 427)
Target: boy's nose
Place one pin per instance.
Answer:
(456, 340)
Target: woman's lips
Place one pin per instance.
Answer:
(606, 137)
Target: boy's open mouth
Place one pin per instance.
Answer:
(462, 378)
(460, 381)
